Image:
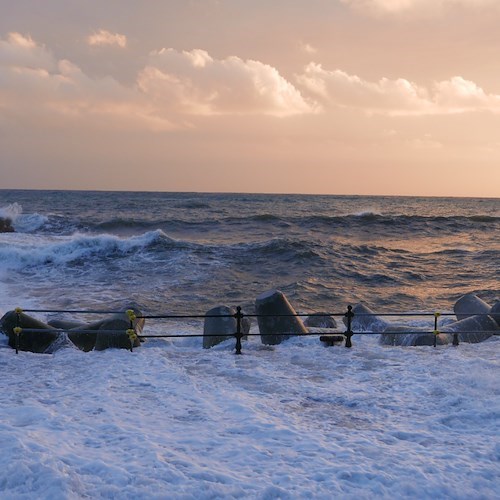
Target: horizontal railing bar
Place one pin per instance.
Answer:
(308, 334)
(247, 315)
(61, 330)
(72, 311)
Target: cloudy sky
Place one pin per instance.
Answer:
(294, 96)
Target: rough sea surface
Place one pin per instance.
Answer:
(297, 420)
(188, 252)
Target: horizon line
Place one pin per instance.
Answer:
(356, 195)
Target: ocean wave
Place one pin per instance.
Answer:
(284, 248)
(28, 252)
(22, 223)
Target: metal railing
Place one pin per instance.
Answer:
(348, 316)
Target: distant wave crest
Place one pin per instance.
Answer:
(23, 223)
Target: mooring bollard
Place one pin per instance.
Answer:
(238, 334)
(348, 334)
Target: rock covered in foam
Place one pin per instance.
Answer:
(6, 225)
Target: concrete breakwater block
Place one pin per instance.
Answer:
(473, 329)
(320, 320)
(365, 320)
(276, 318)
(49, 339)
(412, 336)
(495, 312)
(217, 329)
(28, 341)
(469, 305)
(64, 324)
(119, 338)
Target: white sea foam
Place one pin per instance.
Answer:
(24, 250)
(12, 211)
(23, 223)
(172, 420)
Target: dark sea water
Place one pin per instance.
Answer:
(187, 252)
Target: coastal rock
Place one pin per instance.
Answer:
(320, 320)
(470, 305)
(6, 225)
(276, 318)
(473, 329)
(28, 341)
(365, 320)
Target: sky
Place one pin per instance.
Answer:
(387, 97)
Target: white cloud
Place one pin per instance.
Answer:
(339, 88)
(196, 83)
(307, 48)
(21, 51)
(33, 83)
(172, 88)
(103, 37)
(396, 97)
(427, 6)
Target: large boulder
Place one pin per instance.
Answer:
(28, 341)
(469, 305)
(276, 318)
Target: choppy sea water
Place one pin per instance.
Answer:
(297, 420)
(187, 252)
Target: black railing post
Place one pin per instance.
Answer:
(455, 339)
(238, 334)
(348, 334)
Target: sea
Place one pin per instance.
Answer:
(298, 420)
(184, 253)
